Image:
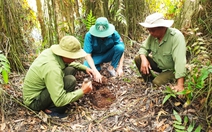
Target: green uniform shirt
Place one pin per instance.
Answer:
(170, 53)
(47, 72)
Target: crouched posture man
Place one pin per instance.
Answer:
(168, 49)
(49, 84)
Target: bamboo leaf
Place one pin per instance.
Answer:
(185, 120)
(166, 98)
(179, 127)
(177, 116)
(190, 127)
(5, 76)
(198, 129)
(176, 122)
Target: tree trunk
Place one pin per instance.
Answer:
(185, 18)
(40, 18)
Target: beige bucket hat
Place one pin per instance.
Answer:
(156, 20)
(68, 47)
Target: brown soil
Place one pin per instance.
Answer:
(101, 96)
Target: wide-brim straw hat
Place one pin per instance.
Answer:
(68, 47)
(102, 28)
(156, 20)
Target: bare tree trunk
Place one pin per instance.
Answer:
(185, 18)
(40, 18)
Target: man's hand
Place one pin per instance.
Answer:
(178, 88)
(87, 87)
(90, 72)
(97, 76)
(145, 66)
(180, 85)
(119, 71)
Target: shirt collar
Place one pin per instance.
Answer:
(60, 61)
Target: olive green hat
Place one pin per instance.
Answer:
(68, 47)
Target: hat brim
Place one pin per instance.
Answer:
(96, 33)
(165, 23)
(71, 55)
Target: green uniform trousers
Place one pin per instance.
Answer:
(44, 101)
(161, 79)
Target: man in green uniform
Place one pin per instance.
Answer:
(164, 51)
(49, 84)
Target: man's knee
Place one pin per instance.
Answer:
(158, 82)
(119, 48)
(69, 82)
(70, 71)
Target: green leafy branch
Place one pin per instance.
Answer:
(183, 125)
(89, 21)
(4, 68)
(169, 93)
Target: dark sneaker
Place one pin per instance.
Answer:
(56, 111)
(55, 114)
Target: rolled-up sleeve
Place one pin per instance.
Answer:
(179, 55)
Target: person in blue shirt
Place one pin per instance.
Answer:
(103, 44)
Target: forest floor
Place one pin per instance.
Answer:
(128, 105)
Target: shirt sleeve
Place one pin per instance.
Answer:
(55, 85)
(117, 39)
(145, 47)
(88, 43)
(78, 66)
(179, 55)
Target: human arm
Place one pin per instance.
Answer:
(180, 85)
(120, 66)
(96, 75)
(179, 58)
(118, 42)
(144, 51)
(88, 47)
(89, 71)
(78, 66)
(55, 84)
(145, 65)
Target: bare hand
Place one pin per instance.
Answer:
(90, 72)
(119, 71)
(145, 66)
(97, 77)
(178, 88)
(87, 87)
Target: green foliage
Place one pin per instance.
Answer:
(90, 20)
(170, 8)
(199, 68)
(120, 14)
(183, 125)
(169, 93)
(197, 45)
(4, 68)
(126, 79)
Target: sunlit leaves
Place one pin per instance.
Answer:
(90, 20)
(4, 68)
(168, 7)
